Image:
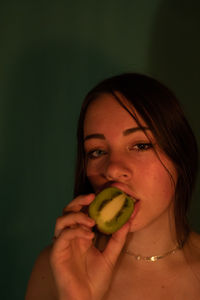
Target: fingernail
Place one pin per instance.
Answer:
(90, 234)
(91, 221)
(86, 228)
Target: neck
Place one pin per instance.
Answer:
(152, 240)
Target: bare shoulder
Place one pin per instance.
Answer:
(41, 284)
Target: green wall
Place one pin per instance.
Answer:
(51, 54)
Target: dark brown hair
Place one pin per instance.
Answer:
(161, 111)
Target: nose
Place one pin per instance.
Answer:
(117, 170)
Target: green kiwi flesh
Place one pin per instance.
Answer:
(111, 209)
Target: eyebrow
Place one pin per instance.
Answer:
(125, 133)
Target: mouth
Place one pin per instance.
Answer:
(136, 209)
(121, 187)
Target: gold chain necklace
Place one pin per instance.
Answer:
(153, 257)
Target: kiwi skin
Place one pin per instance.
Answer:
(110, 217)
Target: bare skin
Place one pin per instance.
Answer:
(172, 278)
(73, 268)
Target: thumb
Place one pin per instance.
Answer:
(115, 244)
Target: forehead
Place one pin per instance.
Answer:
(105, 111)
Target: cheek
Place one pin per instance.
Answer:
(93, 176)
(95, 167)
(91, 170)
(160, 182)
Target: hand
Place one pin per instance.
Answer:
(81, 271)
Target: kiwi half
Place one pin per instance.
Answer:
(111, 209)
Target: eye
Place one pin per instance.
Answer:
(141, 147)
(96, 153)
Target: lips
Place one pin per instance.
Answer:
(135, 211)
(121, 187)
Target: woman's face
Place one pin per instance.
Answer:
(118, 153)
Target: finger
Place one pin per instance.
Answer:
(66, 237)
(115, 245)
(72, 220)
(76, 204)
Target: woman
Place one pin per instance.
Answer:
(132, 134)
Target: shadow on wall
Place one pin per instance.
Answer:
(174, 59)
(44, 89)
(49, 81)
